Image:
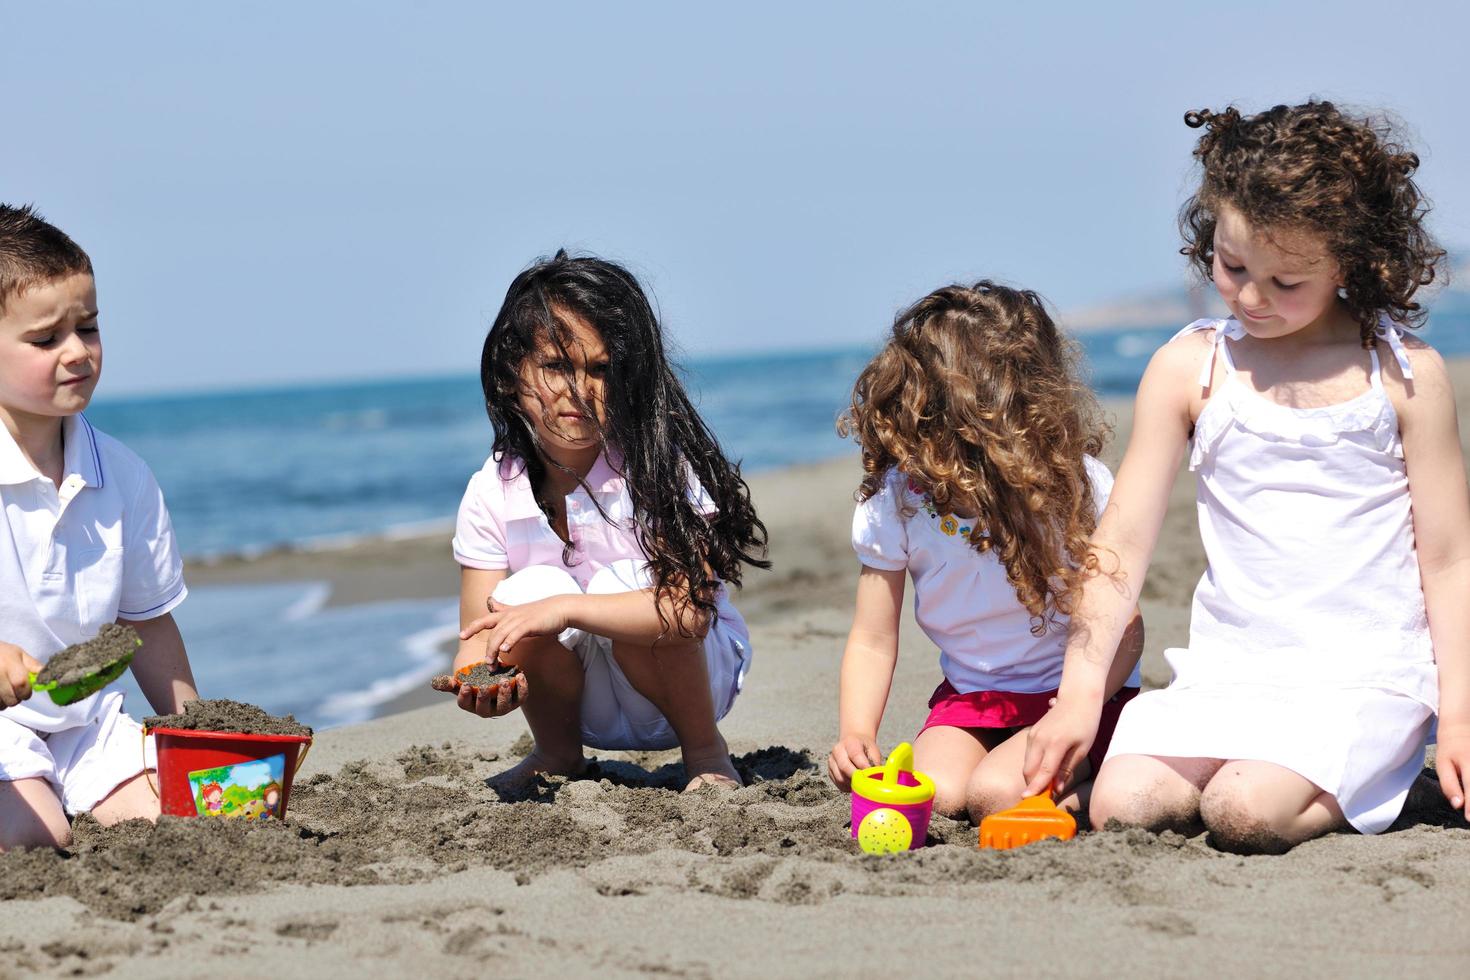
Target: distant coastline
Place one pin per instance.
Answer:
(1177, 305)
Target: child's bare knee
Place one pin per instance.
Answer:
(529, 652)
(990, 793)
(1134, 805)
(35, 834)
(58, 837)
(1112, 802)
(1240, 823)
(533, 583)
(949, 789)
(949, 798)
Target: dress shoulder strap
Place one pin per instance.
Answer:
(1392, 333)
(1223, 329)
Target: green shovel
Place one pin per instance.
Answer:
(85, 668)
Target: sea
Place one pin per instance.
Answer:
(325, 466)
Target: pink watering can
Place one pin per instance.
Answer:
(891, 804)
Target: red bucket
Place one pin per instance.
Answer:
(224, 774)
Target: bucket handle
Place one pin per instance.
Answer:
(143, 751)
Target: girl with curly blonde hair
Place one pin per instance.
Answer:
(1333, 621)
(981, 483)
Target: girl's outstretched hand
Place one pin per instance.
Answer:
(1056, 746)
(508, 625)
(499, 699)
(851, 753)
(1452, 763)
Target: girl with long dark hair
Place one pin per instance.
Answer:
(596, 542)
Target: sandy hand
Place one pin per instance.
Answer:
(485, 690)
(851, 753)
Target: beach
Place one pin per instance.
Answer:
(397, 857)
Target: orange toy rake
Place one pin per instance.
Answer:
(1034, 818)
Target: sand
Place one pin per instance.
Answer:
(113, 642)
(480, 675)
(398, 855)
(224, 715)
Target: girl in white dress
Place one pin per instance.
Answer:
(981, 483)
(1334, 617)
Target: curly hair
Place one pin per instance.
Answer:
(976, 399)
(649, 419)
(1313, 167)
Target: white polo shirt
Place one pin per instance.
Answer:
(962, 598)
(98, 549)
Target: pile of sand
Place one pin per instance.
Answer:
(223, 715)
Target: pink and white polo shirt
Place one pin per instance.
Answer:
(501, 526)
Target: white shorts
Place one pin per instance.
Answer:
(614, 715)
(83, 764)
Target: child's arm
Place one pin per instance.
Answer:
(867, 673)
(1123, 546)
(475, 587)
(1130, 651)
(162, 665)
(1441, 516)
(16, 668)
(639, 617)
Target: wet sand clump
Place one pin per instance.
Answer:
(228, 716)
(481, 675)
(112, 643)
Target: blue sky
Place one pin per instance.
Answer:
(276, 192)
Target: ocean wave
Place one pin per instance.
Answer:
(424, 651)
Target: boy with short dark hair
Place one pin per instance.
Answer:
(85, 540)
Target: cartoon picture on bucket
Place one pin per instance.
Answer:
(251, 790)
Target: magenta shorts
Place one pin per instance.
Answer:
(1008, 709)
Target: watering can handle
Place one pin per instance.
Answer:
(901, 759)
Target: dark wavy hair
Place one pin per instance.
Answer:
(648, 418)
(1313, 167)
(976, 397)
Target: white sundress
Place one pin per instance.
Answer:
(1308, 641)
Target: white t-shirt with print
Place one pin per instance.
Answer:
(962, 599)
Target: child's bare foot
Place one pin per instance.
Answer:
(710, 767)
(523, 773)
